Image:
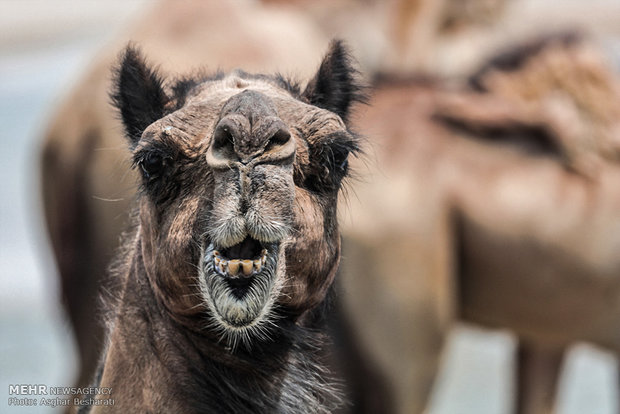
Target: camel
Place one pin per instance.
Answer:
(87, 185)
(87, 182)
(517, 207)
(224, 283)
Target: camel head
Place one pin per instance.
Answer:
(240, 175)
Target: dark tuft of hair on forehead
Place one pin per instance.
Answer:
(182, 87)
(288, 84)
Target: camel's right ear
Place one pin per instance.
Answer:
(138, 94)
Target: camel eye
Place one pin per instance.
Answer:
(340, 160)
(152, 164)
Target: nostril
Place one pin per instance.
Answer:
(281, 137)
(223, 144)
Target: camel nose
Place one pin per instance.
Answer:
(249, 128)
(232, 143)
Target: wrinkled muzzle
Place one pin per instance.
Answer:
(251, 157)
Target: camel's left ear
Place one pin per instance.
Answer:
(138, 94)
(336, 85)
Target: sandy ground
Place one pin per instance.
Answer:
(44, 45)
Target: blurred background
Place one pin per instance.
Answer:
(46, 46)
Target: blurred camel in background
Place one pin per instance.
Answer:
(497, 205)
(494, 204)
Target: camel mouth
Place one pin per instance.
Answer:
(240, 261)
(238, 283)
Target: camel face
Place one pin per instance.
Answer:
(240, 177)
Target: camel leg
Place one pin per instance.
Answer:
(538, 370)
(427, 366)
(65, 200)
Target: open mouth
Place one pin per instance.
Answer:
(241, 260)
(239, 281)
(239, 263)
